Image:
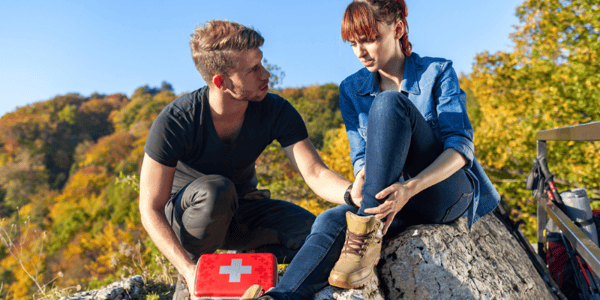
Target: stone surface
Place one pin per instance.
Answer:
(370, 291)
(425, 262)
(451, 262)
(124, 289)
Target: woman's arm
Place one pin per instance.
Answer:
(350, 116)
(399, 193)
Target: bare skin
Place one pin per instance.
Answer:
(384, 55)
(228, 103)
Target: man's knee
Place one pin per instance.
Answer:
(214, 193)
(203, 212)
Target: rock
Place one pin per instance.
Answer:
(124, 289)
(451, 262)
(371, 291)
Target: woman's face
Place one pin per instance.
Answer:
(379, 53)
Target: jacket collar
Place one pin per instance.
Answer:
(370, 84)
(410, 83)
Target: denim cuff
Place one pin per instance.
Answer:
(358, 165)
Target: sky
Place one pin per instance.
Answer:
(50, 48)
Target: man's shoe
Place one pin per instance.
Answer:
(181, 289)
(360, 254)
(253, 293)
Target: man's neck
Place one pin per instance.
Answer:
(223, 106)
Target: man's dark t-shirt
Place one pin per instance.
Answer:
(183, 136)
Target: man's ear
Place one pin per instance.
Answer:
(218, 81)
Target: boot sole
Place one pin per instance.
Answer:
(352, 285)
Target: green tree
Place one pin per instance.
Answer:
(319, 107)
(550, 79)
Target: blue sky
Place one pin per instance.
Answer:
(49, 48)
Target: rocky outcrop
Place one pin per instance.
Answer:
(127, 288)
(451, 262)
(426, 262)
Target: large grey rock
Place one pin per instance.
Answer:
(451, 262)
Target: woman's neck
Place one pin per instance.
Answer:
(390, 77)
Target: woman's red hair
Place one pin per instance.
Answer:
(362, 17)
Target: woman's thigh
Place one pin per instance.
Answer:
(443, 202)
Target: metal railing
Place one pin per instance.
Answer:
(584, 246)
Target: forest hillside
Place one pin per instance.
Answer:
(69, 165)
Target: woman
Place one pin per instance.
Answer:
(419, 158)
(417, 166)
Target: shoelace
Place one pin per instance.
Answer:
(355, 243)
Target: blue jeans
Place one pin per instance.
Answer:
(399, 142)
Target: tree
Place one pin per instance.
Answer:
(319, 107)
(277, 74)
(550, 79)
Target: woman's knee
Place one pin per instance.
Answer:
(388, 103)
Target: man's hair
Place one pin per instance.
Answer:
(215, 43)
(362, 17)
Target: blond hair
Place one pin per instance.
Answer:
(215, 43)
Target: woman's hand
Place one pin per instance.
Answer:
(399, 193)
(356, 192)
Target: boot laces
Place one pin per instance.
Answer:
(355, 243)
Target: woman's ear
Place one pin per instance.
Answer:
(399, 30)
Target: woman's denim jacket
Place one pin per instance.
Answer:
(432, 85)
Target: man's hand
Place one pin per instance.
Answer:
(399, 193)
(190, 279)
(356, 192)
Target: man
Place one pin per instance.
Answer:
(198, 182)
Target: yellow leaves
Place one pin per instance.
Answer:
(315, 206)
(337, 156)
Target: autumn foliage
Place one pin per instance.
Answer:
(69, 165)
(551, 79)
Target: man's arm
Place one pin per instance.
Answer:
(156, 181)
(326, 183)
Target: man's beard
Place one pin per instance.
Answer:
(246, 95)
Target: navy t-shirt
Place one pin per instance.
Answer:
(183, 136)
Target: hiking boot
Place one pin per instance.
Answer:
(181, 289)
(253, 293)
(360, 254)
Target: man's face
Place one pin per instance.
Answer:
(249, 78)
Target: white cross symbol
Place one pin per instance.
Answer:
(236, 270)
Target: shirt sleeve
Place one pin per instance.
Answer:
(167, 138)
(451, 107)
(289, 126)
(357, 143)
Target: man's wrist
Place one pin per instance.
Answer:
(348, 196)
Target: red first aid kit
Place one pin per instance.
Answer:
(228, 276)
